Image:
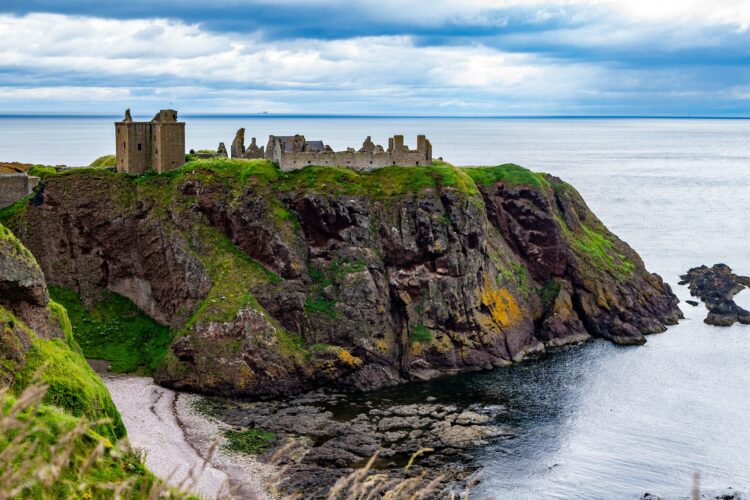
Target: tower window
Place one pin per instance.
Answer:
(139, 146)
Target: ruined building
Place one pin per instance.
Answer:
(238, 147)
(293, 152)
(13, 187)
(158, 144)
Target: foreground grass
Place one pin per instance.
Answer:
(115, 330)
(47, 453)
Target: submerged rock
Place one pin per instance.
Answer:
(716, 286)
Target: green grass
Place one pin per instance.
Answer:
(598, 250)
(51, 427)
(510, 174)
(517, 273)
(250, 441)
(317, 305)
(42, 171)
(548, 293)
(115, 330)
(232, 274)
(380, 183)
(12, 248)
(104, 161)
(73, 385)
(421, 334)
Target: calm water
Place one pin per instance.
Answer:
(600, 421)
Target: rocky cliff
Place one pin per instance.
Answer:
(279, 282)
(37, 343)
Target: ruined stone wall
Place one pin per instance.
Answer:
(13, 187)
(133, 147)
(358, 160)
(368, 157)
(168, 146)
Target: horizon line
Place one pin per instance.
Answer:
(350, 116)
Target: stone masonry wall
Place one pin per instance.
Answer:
(13, 187)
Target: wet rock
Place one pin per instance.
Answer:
(716, 286)
(467, 417)
(462, 436)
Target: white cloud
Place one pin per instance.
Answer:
(91, 47)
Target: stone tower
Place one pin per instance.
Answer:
(158, 144)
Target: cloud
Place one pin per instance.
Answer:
(393, 57)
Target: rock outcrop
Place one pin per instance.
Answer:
(280, 282)
(37, 341)
(716, 286)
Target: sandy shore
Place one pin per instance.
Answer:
(177, 439)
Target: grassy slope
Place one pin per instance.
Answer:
(115, 330)
(104, 161)
(73, 385)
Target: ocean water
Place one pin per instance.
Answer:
(599, 421)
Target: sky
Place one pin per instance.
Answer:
(377, 57)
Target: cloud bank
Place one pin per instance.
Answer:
(476, 57)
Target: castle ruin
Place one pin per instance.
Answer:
(158, 145)
(238, 147)
(292, 152)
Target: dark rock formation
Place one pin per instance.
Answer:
(716, 286)
(23, 291)
(329, 277)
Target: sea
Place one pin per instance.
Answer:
(597, 421)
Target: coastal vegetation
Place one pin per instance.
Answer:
(115, 330)
(46, 452)
(105, 161)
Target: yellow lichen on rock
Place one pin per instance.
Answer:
(347, 357)
(504, 308)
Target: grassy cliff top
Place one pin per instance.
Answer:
(379, 183)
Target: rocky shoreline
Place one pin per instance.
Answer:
(182, 446)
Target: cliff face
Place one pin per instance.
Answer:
(37, 341)
(278, 282)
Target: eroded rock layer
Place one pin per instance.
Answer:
(279, 282)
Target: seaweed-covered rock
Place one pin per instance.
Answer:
(716, 286)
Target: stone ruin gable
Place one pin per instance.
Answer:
(158, 144)
(13, 187)
(294, 152)
(252, 151)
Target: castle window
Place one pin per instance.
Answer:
(309, 162)
(394, 162)
(139, 146)
(417, 163)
